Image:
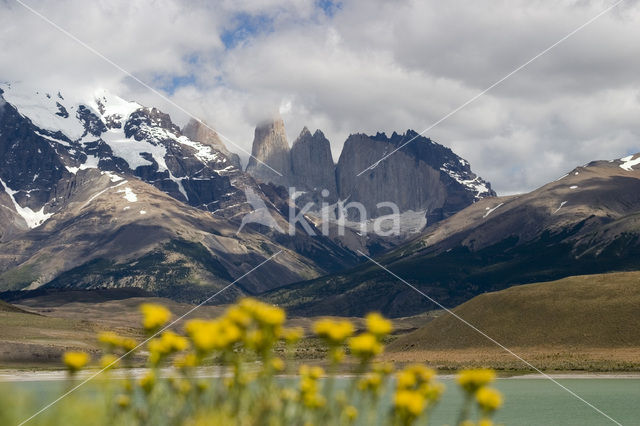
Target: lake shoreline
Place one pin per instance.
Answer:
(17, 375)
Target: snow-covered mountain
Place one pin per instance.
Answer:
(119, 136)
(103, 184)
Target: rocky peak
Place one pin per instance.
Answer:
(271, 148)
(422, 176)
(312, 166)
(200, 132)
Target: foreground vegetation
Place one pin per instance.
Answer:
(251, 388)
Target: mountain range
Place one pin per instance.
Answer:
(107, 193)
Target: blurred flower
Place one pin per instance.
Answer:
(384, 368)
(154, 316)
(378, 325)
(108, 361)
(277, 364)
(123, 401)
(335, 332)
(148, 381)
(370, 382)
(292, 335)
(365, 346)
(409, 402)
(75, 361)
(489, 399)
(115, 341)
(351, 413)
(473, 379)
(263, 313)
(186, 361)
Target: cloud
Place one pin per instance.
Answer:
(350, 66)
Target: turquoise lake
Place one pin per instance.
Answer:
(528, 401)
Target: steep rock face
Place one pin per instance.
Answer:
(421, 176)
(312, 167)
(271, 148)
(197, 131)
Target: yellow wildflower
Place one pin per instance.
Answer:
(432, 391)
(313, 372)
(115, 341)
(292, 335)
(489, 399)
(485, 422)
(123, 401)
(187, 360)
(351, 413)
(238, 316)
(336, 354)
(384, 368)
(370, 382)
(148, 381)
(335, 332)
(473, 379)
(264, 313)
(409, 402)
(365, 346)
(75, 361)
(378, 325)
(270, 315)
(174, 342)
(288, 394)
(405, 379)
(277, 364)
(154, 316)
(108, 361)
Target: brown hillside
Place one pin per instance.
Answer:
(594, 311)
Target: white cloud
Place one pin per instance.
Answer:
(372, 66)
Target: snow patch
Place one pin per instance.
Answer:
(131, 150)
(43, 110)
(33, 219)
(114, 177)
(573, 187)
(203, 153)
(491, 210)
(476, 184)
(126, 208)
(61, 142)
(561, 205)
(143, 212)
(100, 193)
(629, 162)
(129, 195)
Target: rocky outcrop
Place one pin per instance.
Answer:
(270, 157)
(421, 176)
(198, 131)
(312, 167)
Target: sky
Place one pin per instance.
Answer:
(358, 66)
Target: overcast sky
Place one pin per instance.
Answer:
(360, 66)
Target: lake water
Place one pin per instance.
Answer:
(528, 401)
